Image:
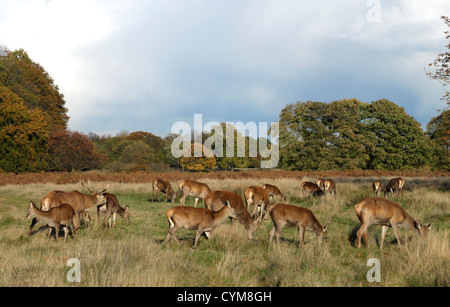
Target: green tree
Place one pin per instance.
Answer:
(438, 130)
(24, 134)
(398, 139)
(33, 85)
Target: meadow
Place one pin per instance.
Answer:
(133, 254)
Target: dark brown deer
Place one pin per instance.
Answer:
(380, 211)
(309, 187)
(61, 215)
(161, 185)
(111, 208)
(293, 216)
(395, 184)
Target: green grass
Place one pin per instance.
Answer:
(133, 255)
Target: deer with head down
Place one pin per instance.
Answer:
(193, 188)
(161, 185)
(273, 192)
(56, 216)
(377, 187)
(395, 184)
(216, 200)
(380, 211)
(112, 208)
(201, 219)
(257, 197)
(312, 188)
(293, 216)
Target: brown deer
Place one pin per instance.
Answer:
(257, 197)
(79, 202)
(216, 200)
(320, 183)
(193, 188)
(293, 216)
(377, 187)
(329, 186)
(395, 184)
(380, 211)
(111, 208)
(61, 215)
(161, 185)
(274, 192)
(311, 188)
(201, 219)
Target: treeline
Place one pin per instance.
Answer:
(343, 135)
(350, 135)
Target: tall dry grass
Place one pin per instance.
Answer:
(133, 255)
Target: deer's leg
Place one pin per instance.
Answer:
(301, 234)
(397, 236)
(33, 222)
(362, 231)
(196, 202)
(383, 235)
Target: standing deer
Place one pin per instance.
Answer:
(193, 188)
(61, 215)
(320, 183)
(312, 188)
(161, 185)
(201, 219)
(377, 187)
(380, 211)
(395, 184)
(257, 197)
(77, 200)
(111, 208)
(329, 186)
(292, 216)
(274, 192)
(216, 200)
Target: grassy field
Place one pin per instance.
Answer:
(132, 255)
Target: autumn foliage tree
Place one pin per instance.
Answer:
(24, 134)
(72, 151)
(198, 158)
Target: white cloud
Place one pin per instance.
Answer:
(129, 65)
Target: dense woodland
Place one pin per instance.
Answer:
(343, 135)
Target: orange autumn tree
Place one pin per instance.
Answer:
(192, 161)
(24, 135)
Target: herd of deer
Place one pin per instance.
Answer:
(68, 208)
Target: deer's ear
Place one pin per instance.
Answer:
(31, 204)
(325, 228)
(417, 224)
(429, 226)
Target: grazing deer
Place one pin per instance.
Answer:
(330, 186)
(216, 200)
(201, 219)
(312, 188)
(161, 185)
(61, 215)
(274, 192)
(79, 202)
(395, 184)
(257, 197)
(292, 216)
(193, 188)
(320, 183)
(111, 208)
(380, 211)
(376, 187)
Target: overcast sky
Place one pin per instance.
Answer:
(144, 65)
